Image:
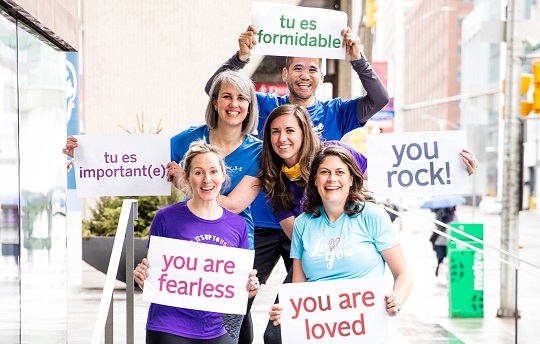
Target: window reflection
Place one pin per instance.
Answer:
(42, 131)
(33, 282)
(9, 184)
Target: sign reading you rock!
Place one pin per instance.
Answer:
(417, 164)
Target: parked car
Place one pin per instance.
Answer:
(490, 205)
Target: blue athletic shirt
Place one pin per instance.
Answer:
(332, 119)
(244, 161)
(346, 249)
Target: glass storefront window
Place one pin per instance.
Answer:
(33, 292)
(9, 183)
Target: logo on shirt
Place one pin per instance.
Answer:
(210, 238)
(332, 249)
(235, 169)
(319, 128)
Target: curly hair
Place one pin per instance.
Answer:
(270, 174)
(357, 193)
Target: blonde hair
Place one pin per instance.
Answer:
(196, 148)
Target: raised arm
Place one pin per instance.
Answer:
(246, 41)
(376, 94)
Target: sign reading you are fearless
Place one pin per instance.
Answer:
(417, 164)
(285, 30)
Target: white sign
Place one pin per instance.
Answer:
(122, 165)
(198, 276)
(285, 30)
(340, 311)
(417, 163)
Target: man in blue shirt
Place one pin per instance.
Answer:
(332, 119)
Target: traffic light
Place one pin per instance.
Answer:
(371, 13)
(536, 92)
(526, 106)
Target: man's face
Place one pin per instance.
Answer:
(303, 76)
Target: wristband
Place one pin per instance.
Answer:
(238, 57)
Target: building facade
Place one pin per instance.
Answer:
(432, 56)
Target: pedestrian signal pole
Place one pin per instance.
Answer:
(512, 161)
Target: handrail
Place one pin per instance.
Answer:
(473, 238)
(501, 251)
(104, 319)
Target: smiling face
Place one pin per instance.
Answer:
(205, 177)
(286, 137)
(333, 181)
(302, 76)
(231, 106)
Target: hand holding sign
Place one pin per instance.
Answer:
(340, 311)
(419, 163)
(284, 30)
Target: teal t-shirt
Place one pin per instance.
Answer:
(346, 249)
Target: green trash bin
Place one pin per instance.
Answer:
(466, 273)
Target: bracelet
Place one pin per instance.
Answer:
(398, 306)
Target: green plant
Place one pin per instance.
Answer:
(105, 215)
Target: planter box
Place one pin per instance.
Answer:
(96, 251)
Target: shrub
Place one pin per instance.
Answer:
(105, 215)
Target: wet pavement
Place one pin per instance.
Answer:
(424, 317)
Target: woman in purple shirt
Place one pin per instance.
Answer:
(198, 218)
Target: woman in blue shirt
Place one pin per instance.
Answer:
(337, 211)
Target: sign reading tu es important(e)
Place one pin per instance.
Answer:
(122, 165)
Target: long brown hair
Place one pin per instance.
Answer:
(357, 193)
(270, 175)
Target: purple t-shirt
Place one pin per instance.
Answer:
(178, 222)
(298, 191)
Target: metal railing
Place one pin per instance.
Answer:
(528, 267)
(104, 321)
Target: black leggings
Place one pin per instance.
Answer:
(155, 337)
(272, 334)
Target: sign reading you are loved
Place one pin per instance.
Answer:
(285, 30)
(340, 311)
(198, 276)
(417, 164)
(122, 165)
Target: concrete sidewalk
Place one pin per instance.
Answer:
(424, 317)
